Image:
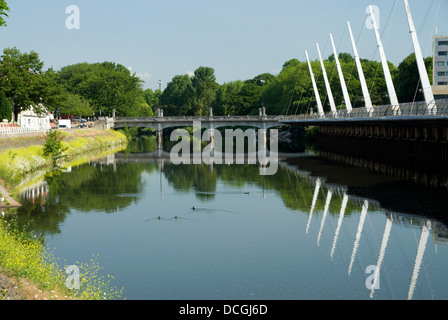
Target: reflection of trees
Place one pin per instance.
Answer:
(296, 191)
(87, 188)
(187, 178)
(110, 188)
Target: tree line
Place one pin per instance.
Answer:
(95, 89)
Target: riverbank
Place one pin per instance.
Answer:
(22, 160)
(25, 269)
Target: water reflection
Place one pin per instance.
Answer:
(335, 212)
(425, 224)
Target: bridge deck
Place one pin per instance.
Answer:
(414, 114)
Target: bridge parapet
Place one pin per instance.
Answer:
(160, 123)
(417, 109)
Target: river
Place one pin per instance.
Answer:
(314, 230)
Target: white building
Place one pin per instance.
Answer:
(31, 120)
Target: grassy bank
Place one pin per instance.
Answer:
(34, 271)
(20, 160)
(24, 261)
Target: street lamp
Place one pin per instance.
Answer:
(262, 85)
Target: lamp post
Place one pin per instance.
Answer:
(262, 85)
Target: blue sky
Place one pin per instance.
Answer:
(239, 39)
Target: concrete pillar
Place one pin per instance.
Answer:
(210, 112)
(159, 139)
(262, 139)
(113, 113)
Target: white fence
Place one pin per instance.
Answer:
(6, 130)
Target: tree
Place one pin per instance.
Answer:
(178, 96)
(152, 98)
(74, 104)
(407, 79)
(22, 79)
(228, 98)
(54, 149)
(5, 107)
(105, 85)
(3, 9)
(205, 87)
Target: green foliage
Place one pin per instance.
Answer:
(407, 79)
(25, 83)
(73, 104)
(5, 107)
(205, 87)
(106, 86)
(54, 148)
(3, 9)
(177, 98)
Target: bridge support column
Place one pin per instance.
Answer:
(159, 139)
(262, 139)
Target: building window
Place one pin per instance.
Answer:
(444, 83)
(442, 74)
(443, 43)
(443, 53)
(440, 63)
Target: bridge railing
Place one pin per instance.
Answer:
(198, 118)
(416, 109)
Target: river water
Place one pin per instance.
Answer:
(314, 230)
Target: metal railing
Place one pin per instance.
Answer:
(199, 118)
(417, 109)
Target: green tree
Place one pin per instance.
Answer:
(178, 96)
(106, 86)
(407, 79)
(54, 149)
(152, 98)
(3, 12)
(5, 107)
(22, 79)
(228, 98)
(74, 104)
(205, 88)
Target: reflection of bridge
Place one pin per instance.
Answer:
(343, 195)
(425, 224)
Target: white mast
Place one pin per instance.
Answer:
(348, 104)
(365, 207)
(316, 92)
(327, 83)
(419, 257)
(313, 204)
(384, 242)
(327, 205)
(390, 85)
(362, 79)
(338, 228)
(426, 85)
